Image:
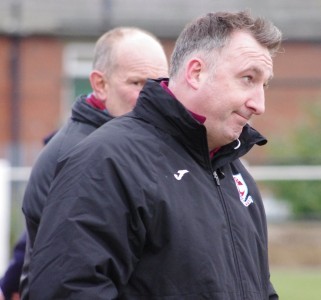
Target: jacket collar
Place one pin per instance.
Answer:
(158, 107)
(86, 113)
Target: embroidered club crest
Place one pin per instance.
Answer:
(242, 188)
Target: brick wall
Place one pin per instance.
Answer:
(4, 91)
(39, 86)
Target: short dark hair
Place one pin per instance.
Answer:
(213, 31)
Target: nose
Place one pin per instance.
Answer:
(257, 102)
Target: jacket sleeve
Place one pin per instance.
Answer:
(90, 236)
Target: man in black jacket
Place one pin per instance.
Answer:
(123, 60)
(157, 204)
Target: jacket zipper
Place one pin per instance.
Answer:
(218, 183)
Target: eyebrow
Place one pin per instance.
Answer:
(260, 72)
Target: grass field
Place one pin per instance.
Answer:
(298, 284)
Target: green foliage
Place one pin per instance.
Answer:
(302, 146)
(303, 196)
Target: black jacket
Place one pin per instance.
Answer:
(83, 121)
(139, 211)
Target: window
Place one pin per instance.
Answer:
(78, 58)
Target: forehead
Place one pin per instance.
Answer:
(141, 56)
(137, 46)
(245, 52)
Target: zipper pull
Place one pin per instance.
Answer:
(216, 178)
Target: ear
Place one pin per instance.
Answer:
(98, 84)
(194, 69)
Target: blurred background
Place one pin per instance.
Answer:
(46, 51)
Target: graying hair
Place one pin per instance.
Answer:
(213, 31)
(104, 58)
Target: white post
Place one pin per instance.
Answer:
(4, 214)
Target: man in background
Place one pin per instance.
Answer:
(124, 58)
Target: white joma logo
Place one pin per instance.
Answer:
(180, 174)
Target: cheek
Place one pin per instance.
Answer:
(131, 94)
(214, 103)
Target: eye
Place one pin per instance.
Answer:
(138, 83)
(266, 85)
(248, 78)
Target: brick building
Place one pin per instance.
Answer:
(46, 49)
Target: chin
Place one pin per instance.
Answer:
(233, 138)
(237, 133)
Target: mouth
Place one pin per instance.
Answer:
(243, 118)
